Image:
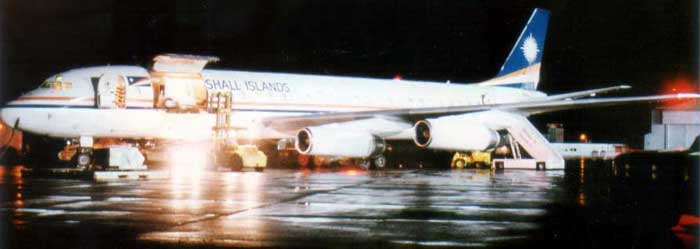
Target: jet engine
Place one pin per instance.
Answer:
(325, 141)
(454, 133)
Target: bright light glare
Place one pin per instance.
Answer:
(187, 167)
(188, 161)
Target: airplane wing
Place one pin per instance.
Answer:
(543, 107)
(583, 94)
(290, 124)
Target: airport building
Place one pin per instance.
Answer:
(555, 132)
(673, 127)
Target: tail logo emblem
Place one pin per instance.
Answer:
(530, 49)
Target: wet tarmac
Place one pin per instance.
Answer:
(278, 208)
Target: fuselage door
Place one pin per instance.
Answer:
(111, 91)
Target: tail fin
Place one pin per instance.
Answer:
(522, 67)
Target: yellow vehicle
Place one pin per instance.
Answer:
(252, 157)
(238, 157)
(471, 159)
(227, 152)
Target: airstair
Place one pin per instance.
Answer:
(522, 135)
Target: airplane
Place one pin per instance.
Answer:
(331, 116)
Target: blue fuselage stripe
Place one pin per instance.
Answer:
(145, 108)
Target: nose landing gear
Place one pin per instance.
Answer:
(84, 157)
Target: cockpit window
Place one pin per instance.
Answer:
(56, 83)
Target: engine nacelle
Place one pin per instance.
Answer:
(324, 141)
(454, 133)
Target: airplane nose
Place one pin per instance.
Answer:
(9, 117)
(2, 119)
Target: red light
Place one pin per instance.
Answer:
(679, 84)
(684, 230)
(398, 77)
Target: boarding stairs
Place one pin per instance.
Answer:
(524, 135)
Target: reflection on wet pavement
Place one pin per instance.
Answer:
(284, 208)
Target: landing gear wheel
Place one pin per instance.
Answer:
(364, 163)
(84, 160)
(379, 162)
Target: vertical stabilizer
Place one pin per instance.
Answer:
(522, 66)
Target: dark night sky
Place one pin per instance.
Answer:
(590, 43)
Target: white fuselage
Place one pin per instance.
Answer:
(70, 112)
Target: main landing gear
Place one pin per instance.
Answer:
(376, 162)
(308, 161)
